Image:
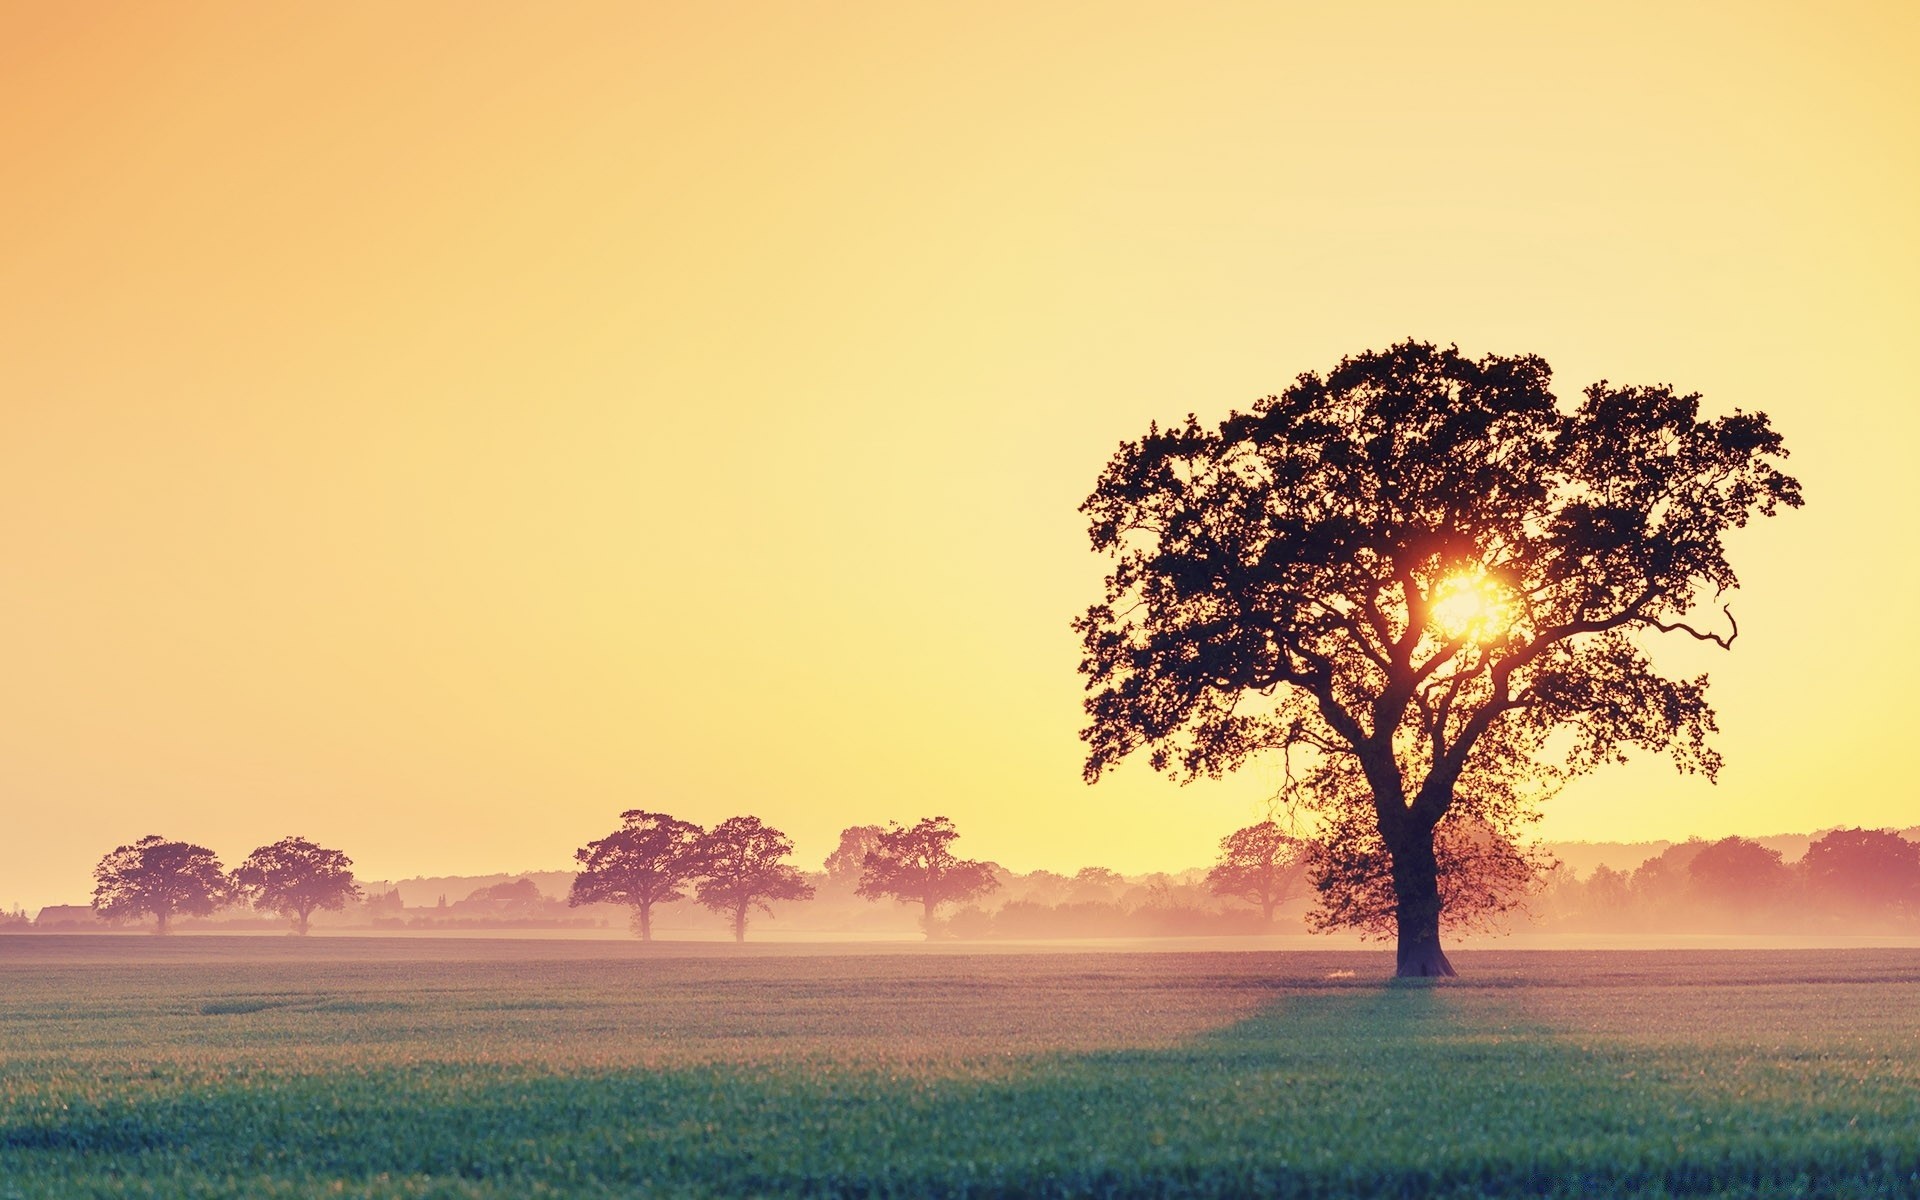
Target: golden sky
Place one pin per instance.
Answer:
(434, 428)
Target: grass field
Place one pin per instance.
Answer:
(268, 1067)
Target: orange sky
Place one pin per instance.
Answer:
(433, 428)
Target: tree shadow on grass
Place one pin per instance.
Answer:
(1358, 1090)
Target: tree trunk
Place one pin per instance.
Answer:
(162, 916)
(926, 918)
(643, 913)
(740, 924)
(300, 918)
(1416, 892)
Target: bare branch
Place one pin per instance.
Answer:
(1725, 643)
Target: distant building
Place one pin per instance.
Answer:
(57, 916)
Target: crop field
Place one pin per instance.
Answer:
(264, 1067)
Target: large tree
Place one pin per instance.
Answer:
(1422, 574)
(160, 879)
(295, 878)
(649, 860)
(916, 865)
(743, 864)
(1261, 864)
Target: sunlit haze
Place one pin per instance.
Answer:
(432, 429)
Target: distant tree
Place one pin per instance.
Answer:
(1095, 885)
(1663, 885)
(916, 865)
(1260, 864)
(1740, 876)
(649, 860)
(742, 868)
(512, 891)
(161, 879)
(1865, 872)
(295, 878)
(1426, 574)
(1608, 893)
(1043, 887)
(848, 862)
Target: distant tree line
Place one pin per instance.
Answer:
(1849, 879)
(1863, 880)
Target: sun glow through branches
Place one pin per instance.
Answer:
(1472, 605)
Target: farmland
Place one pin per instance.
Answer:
(481, 1068)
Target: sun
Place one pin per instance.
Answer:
(1471, 604)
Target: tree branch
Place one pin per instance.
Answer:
(1725, 643)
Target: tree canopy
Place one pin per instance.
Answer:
(295, 878)
(847, 863)
(916, 865)
(1865, 871)
(1261, 864)
(1427, 584)
(649, 860)
(743, 868)
(160, 879)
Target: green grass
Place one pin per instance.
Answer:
(264, 1067)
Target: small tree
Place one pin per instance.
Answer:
(847, 864)
(742, 868)
(1261, 865)
(512, 891)
(647, 861)
(917, 866)
(295, 878)
(1608, 894)
(161, 879)
(1095, 885)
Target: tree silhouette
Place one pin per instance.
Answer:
(1740, 877)
(295, 878)
(1410, 574)
(742, 868)
(1865, 872)
(161, 879)
(1260, 864)
(847, 863)
(917, 865)
(647, 861)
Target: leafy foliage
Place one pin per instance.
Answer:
(1867, 871)
(1483, 876)
(295, 878)
(161, 879)
(649, 860)
(742, 868)
(916, 865)
(845, 866)
(1740, 872)
(1260, 864)
(1288, 580)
